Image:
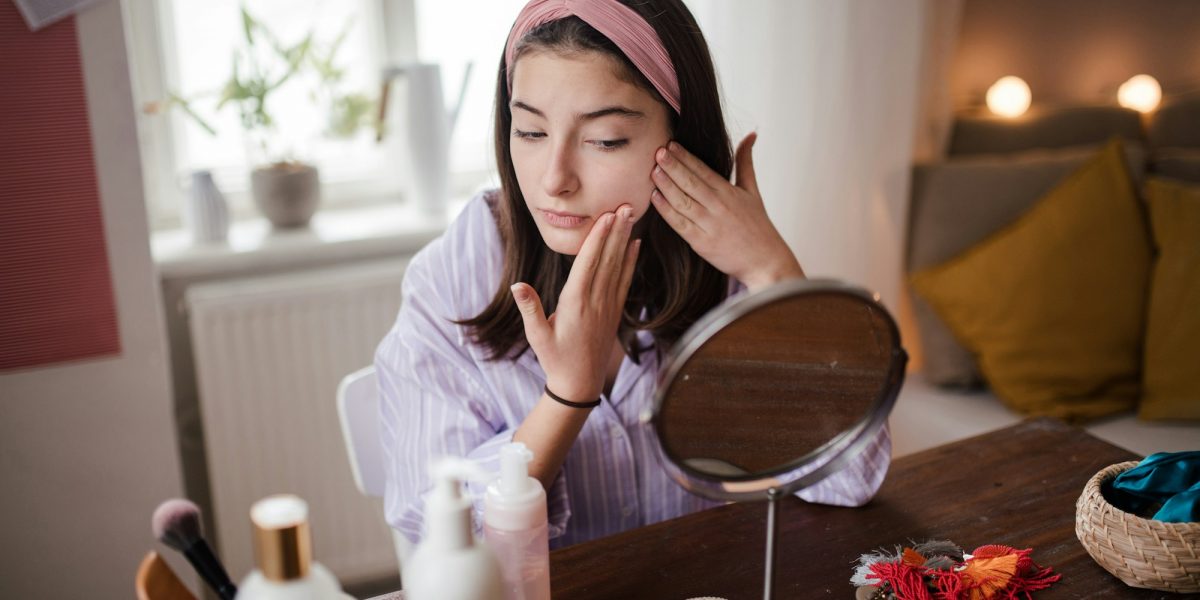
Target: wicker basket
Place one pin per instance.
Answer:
(1141, 552)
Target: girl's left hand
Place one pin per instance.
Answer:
(726, 224)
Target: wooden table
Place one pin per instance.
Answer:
(1016, 486)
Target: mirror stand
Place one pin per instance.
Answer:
(774, 391)
(773, 496)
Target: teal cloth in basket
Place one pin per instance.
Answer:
(1166, 483)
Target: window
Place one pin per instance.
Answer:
(186, 47)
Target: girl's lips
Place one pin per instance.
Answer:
(563, 220)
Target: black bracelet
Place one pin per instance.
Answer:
(560, 399)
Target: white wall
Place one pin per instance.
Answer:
(87, 450)
(832, 89)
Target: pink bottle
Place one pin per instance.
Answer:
(514, 517)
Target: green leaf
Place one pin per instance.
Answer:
(348, 113)
(295, 58)
(234, 91)
(174, 99)
(337, 42)
(296, 54)
(248, 25)
(230, 91)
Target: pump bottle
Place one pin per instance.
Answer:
(283, 553)
(449, 564)
(515, 526)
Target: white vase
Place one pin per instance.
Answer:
(206, 215)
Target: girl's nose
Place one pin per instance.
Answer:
(560, 177)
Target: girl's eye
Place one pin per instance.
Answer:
(604, 145)
(527, 135)
(610, 145)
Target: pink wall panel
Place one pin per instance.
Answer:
(56, 293)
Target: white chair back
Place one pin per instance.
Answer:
(358, 410)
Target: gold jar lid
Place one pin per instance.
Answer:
(282, 543)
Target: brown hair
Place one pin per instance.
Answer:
(671, 283)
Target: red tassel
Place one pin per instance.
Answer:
(949, 584)
(906, 581)
(913, 582)
(1031, 580)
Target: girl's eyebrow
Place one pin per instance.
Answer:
(619, 111)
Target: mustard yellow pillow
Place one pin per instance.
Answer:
(1171, 371)
(1053, 305)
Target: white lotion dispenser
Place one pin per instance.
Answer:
(515, 525)
(449, 564)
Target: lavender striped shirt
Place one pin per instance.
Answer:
(440, 397)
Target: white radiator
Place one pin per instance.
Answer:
(269, 354)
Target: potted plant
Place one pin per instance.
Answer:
(286, 189)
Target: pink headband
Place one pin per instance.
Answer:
(617, 22)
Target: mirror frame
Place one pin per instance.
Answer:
(840, 450)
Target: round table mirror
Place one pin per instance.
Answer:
(775, 390)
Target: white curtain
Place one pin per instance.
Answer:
(935, 110)
(834, 90)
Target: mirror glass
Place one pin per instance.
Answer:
(778, 388)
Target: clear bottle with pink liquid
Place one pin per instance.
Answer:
(515, 526)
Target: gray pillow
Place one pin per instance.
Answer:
(1176, 124)
(1068, 127)
(956, 204)
(1177, 163)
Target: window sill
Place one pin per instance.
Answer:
(332, 236)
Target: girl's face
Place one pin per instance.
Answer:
(583, 142)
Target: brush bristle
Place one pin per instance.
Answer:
(176, 523)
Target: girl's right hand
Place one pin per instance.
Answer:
(575, 343)
(725, 223)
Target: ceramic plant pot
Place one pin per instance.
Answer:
(286, 193)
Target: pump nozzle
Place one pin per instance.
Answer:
(514, 468)
(448, 513)
(450, 471)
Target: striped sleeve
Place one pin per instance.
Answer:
(433, 399)
(856, 483)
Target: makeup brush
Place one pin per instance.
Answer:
(176, 523)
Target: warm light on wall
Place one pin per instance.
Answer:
(1009, 97)
(1141, 93)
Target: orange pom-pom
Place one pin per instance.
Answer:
(986, 577)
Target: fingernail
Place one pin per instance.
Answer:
(661, 155)
(627, 213)
(658, 171)
(654, 194)
(518, 292)
(637, 245)
(674, 147)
